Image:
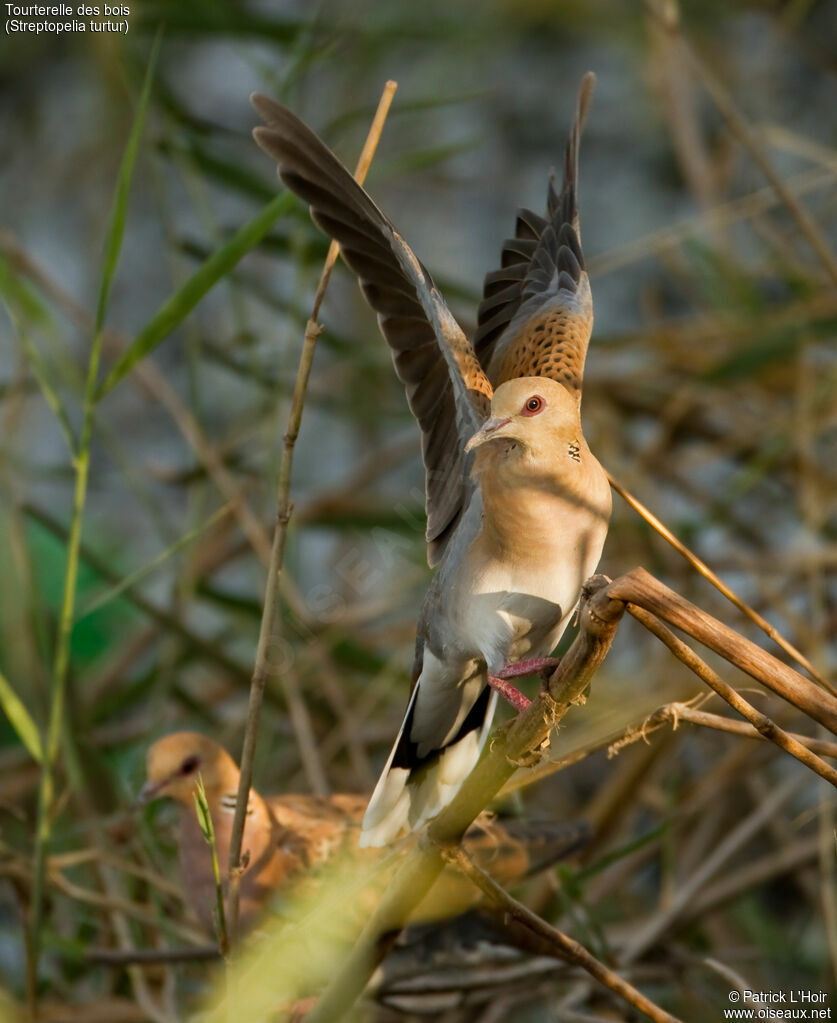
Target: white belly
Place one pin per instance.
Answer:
(505, 616)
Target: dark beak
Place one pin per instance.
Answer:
(147, 793)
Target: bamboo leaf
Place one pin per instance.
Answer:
(20, 719)
(39, 371)
(183, 301)
(119, 209)
(137, 576)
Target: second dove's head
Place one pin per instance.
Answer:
(174, 762)
(535, 413)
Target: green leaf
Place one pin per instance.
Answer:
(202, 811)
(618, 854)
(226, 20)
(183, 301)
(39, 371)
(137, 576)
(20, 719)
(222, 171)
(119, 209)
(22, 294)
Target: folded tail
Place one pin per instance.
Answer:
(419, 778)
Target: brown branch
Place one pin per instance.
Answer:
(680, 712)
(644, 937)
(667, 15)
(763, 724)
(150, 956)
(267, 631)
(164, 617)
(641, 588)
(789, 860)
(563, 946)
(639, 731)
(704, 569)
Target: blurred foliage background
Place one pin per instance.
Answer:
(710, 393)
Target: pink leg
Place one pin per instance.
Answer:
(509, 693)
(530, 667)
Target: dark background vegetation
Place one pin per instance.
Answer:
(709, 393)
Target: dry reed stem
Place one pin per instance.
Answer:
(612, 742)
(641, 588)
(648, 935)
(708, 574)
(764, 725)
(657, 243)
(163, 617)
(153, 382)
(306, 738)
(565, 947)
(679, 712)
(600, 610)
(668, 16)
(151, 957)
(789, 860)
(269, 614)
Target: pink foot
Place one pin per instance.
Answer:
(509, 693)
(530, 667)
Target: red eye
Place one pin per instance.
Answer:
(532, 406)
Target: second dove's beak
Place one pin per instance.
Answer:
(148, 792)
(489, 430)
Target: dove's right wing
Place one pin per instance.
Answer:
(447, 390)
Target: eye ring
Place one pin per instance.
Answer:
(533, 405)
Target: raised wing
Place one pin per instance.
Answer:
(536, 314)
(447, 390)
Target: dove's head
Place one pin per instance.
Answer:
(174, 763)
(536, 416)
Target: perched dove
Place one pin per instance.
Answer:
(287, 837)
(517, 506)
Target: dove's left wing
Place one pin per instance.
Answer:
(537, 311)
(446, 387)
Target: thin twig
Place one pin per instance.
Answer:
(153, 382)
(122, 929)
(765, 726)
(305, 737)
(267, 631)
(150, 956)
(663, 240)
(640, 587)
(205, 648)
(565, 947)
(789, 860)
(680, 712)
(654, 929)
(667, 15)
(707, 573)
